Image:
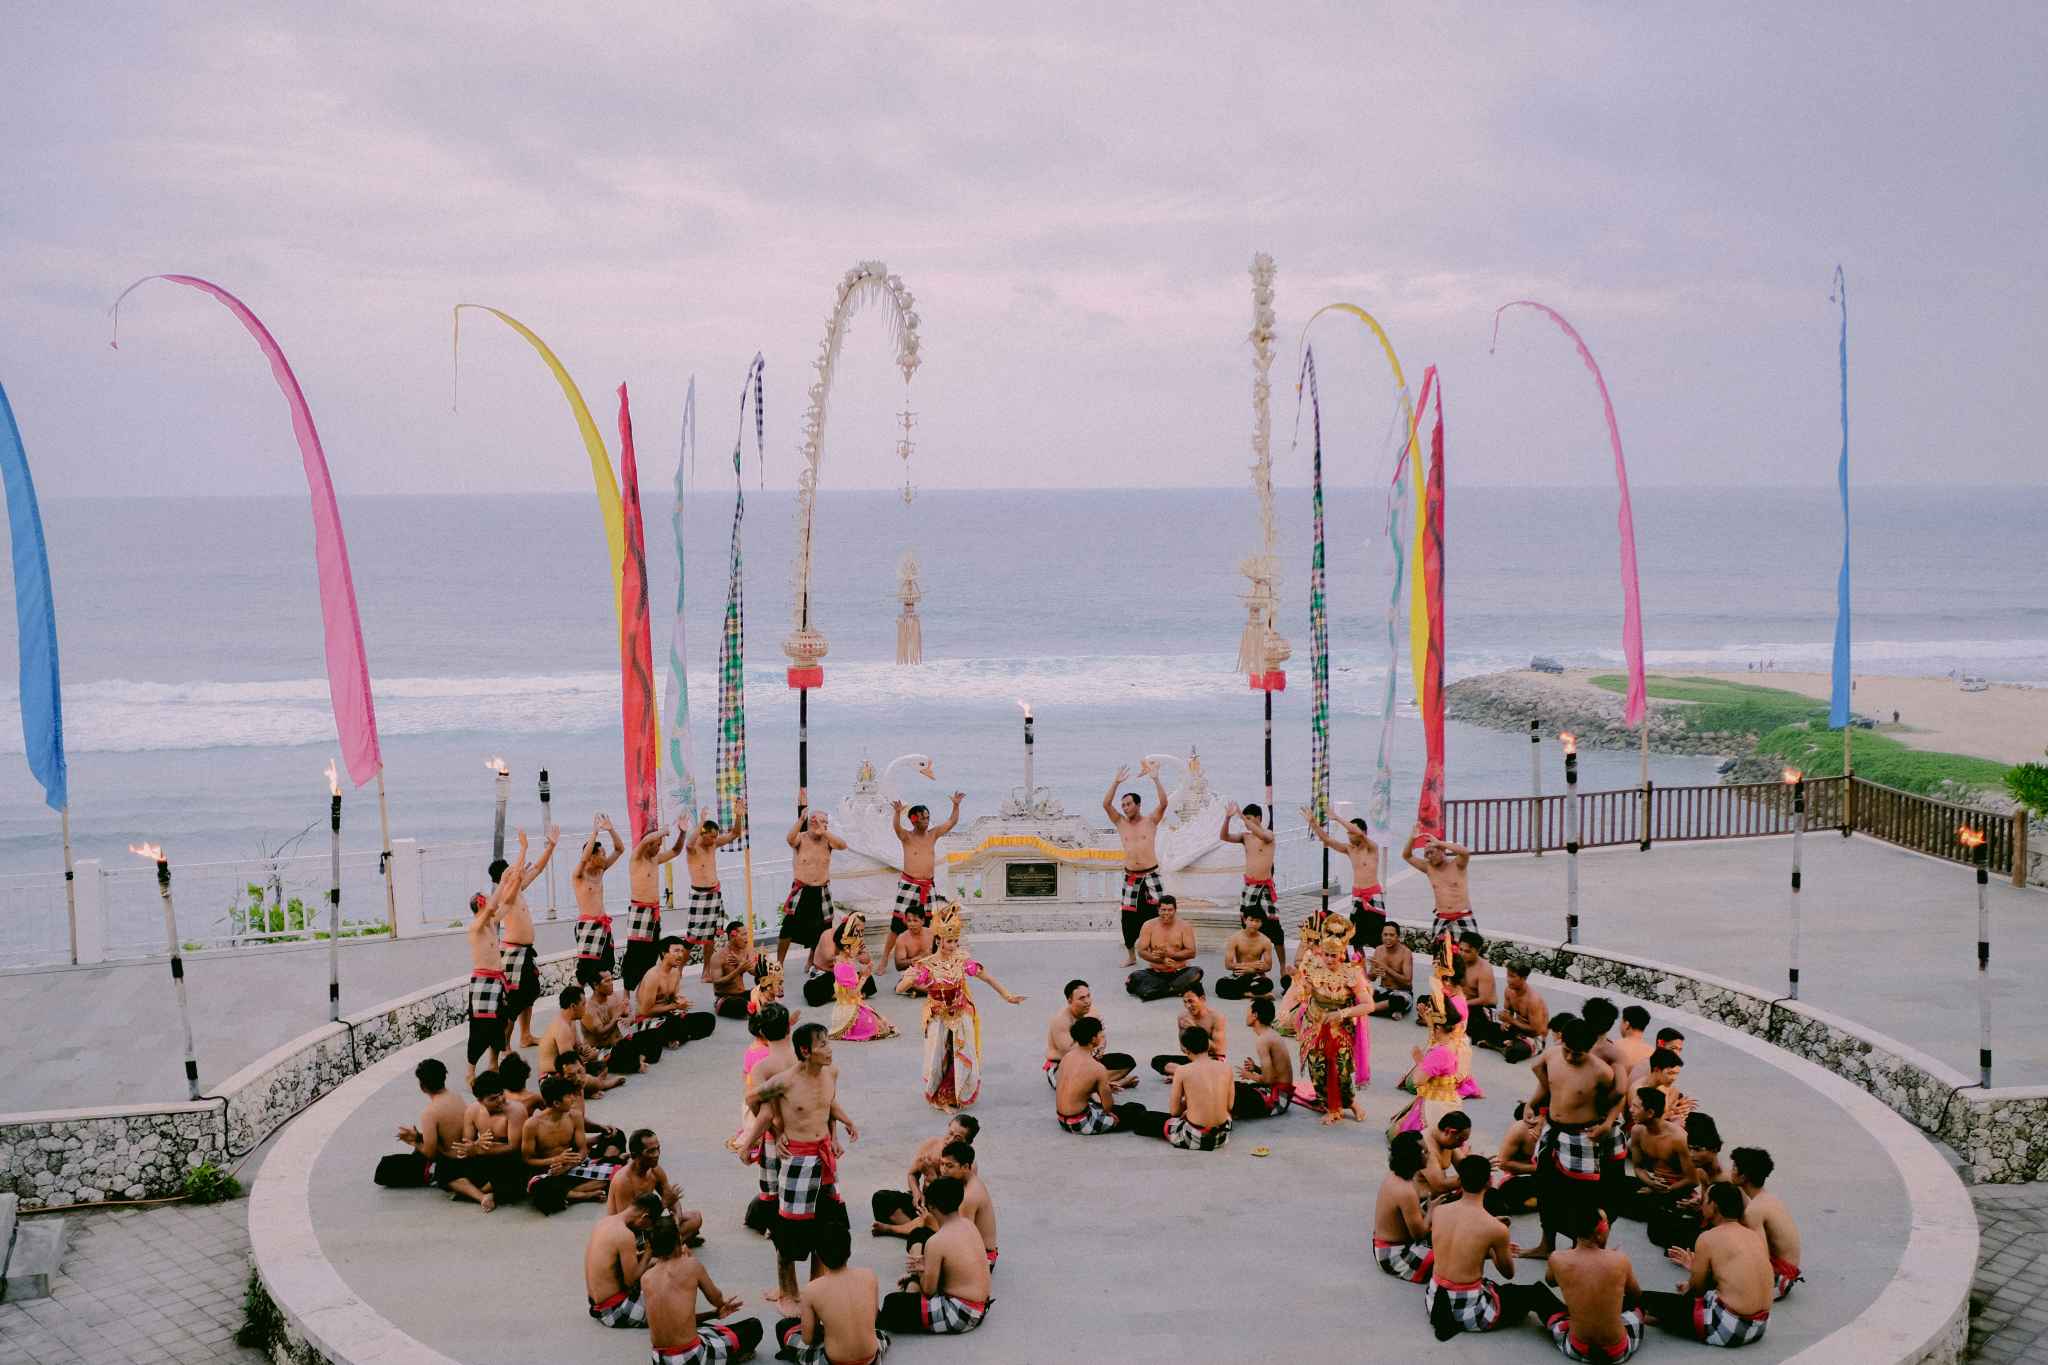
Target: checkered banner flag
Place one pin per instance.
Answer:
(731, 777)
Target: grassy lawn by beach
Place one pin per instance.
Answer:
(1793, 729)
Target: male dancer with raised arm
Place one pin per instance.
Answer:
(1368, 900)
(515, 941)
(807, 914)
(1259, 894)
(920, 864)
(1138, 830)
(594, 950)
(643, 921)
(705, 918)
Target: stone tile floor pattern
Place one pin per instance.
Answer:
(166, 1284)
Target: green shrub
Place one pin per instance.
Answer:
(1817, 751)
(209, 1184)
(262, 1325)
(2027, 783)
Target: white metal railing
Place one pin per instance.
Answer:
(239, 904)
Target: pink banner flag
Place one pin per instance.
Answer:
(1429, 810)
(348, 670)
(636, 644)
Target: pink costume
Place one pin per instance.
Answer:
(852, 1020)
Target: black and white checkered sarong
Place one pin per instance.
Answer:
(769, 1159)
(621, 1310)
(1256, 899)
(1475, 1306)
(1575, 1154)
(1090, 1122)
(1142, 890)
(705, 919)
(715, 1345)
(643, 922)
(1560, 1329)
(1190, 1138)
(486, 994)
(804, 1186)
(911, 894)
(594, 938)
(1410, 1261)
(795, 1351)
(945, 1315)
(1716, 1324)
(584, 1170)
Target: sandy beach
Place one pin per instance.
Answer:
(2008, 723)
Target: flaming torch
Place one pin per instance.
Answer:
(547, 820)
(497, 765)
(1028, 741)
(1980, 854)
(1570, 744)
(1535, 788)
(334, 893)
(163, 889)
(1796, 780)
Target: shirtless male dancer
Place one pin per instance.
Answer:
(803, 1103)
(1248, 961)
(492, 1129)
(676, 1332)
(1368, 900)
(1463, 1237)
(947, 1289)
(557, 1152)
(726, 973)
(771, 1026)
(1400, 1226)
(1059, 1037)
(612, 1263)
(920, 861)
(1726, 1299)
(1516, 1182)
(486, 984)
(1084, 1092)
(705, 918)
(437, 1145)
(642, 1175)
(1443, 863)
(564, 1038)
(643, 920)
(1766, 1213)
(1482, 991)
(912, 941)
(662, 1017)
(605, 1012)
(1579, 1093)
(1167, 944)
(1393, 972)
(1259, 894)
(1524, 1018)
(1139, 832)
(515, 942)
(1195, 1012)
(1265, 1083)
(956, 1162)
(1197, 1117)
(807, 914)
(899, 1213)
(594, 951)
(1600, 1319)
(840, 1305)
(1657, 1149)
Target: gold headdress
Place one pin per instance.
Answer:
(851, 928)
(947, 923)
(1333, 935)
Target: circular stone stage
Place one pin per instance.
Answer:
(1113, 1247)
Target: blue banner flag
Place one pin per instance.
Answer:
(1838, 706)
(35, 617)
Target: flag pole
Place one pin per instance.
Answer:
(384, 820)
(70, 881)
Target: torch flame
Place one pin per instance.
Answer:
(1970, 838)
(154, 852)
(1026, 706)
(497, 765)
(333, 779)
(1793, 775)
(1570, 741)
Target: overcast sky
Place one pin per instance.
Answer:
(1074, 195)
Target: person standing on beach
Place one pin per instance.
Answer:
(1139, 832)
(1368, 901)
(1443, 864)
(705, 918)
(920, 860)
(594, 951)
(515, 939)
(643, 924)
(807, 914)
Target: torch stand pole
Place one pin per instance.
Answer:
(803, 750)
(545, 820)
(504, 784)
(334, 910)
(1984, 964)
(1535, 789)
(1798, 834)
(163, 886)
(1644, 828)
(390, 888)
(71, 882)
(1571, 848)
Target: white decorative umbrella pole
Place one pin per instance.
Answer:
(1535, 789)
(504, 785)
(546, 819)
(1796, 780)
(333, 893)
(806, 645)
(1570, 743)
(1973, 839)
(163, 891)
(1260, 649)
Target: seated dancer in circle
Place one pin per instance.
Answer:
(1138, 830)
(1393, 972)
(946, 1290)
(1167, 946)
(835, 947)
(1368, 901)
(899, 1213)
(676, 1332)
(564, 1038)
(1084, 1090)
(840, 1306)
(556, 1149)
(1247, 960)
(1259, 895)
(956, 1162)
(662, 1018)
(642, 1174)
(1515, 1178)
(920, 864)
(1726, 1298)
(1194, 1013)
(1197, 1117)
(913, 941)
(853, 974)
(492, 1128)
(1767, 1214)
(613, 1263)
(952, 1024)
(1524, 1017)
(1059, 1037)
(1400, 1225)
(594, 951)
(1265, 1083)
(436, 1144)
(1336, 1000)
(606, 1012)
(807, 913)
(1600, 1319)
(727, 971)
(705, 916)
(1463, 1237)
(643, 906)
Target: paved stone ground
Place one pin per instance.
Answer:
(156, 1284)
(2009, 1302)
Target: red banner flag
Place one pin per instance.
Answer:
(1429, 809)
(636, 644)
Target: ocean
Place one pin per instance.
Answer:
(196, 703)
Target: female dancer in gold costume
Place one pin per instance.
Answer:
(952, 1025)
